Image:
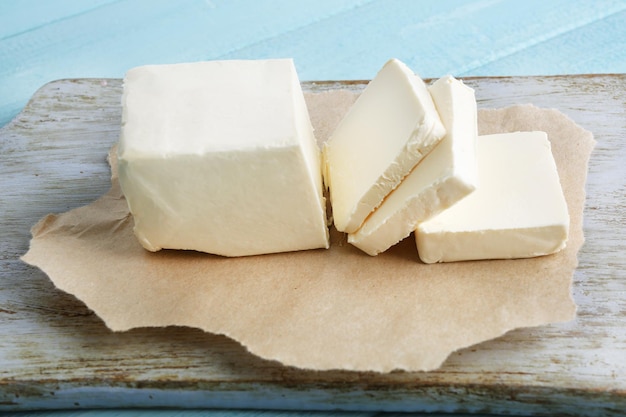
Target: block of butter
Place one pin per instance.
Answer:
(389, 129)
(220, 157)
(443, 177)
(517, 211)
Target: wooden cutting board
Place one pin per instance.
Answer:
(55, 353)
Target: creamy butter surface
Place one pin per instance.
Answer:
(517, 211)
(388, 130)
(220, 157)
(446, 175)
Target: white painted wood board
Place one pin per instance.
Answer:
(55, 353)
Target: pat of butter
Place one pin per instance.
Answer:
(388, 130)
(220, 157)
(443, 177)
(517, 211)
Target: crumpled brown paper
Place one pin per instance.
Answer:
(323, 309)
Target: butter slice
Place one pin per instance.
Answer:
(387, 131)
(220, 157)
(517, 211)
(443, 177)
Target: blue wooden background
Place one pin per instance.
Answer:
(43, 40)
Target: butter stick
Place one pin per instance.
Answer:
(388, 130)
(220, 157)
(443, 177)
(517, 211)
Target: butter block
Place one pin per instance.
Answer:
(446, 175)
(389, 129)
(220, 157)
(517, 211)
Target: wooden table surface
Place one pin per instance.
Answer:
(42, 41)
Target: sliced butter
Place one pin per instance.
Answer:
(517, 211)
(443, 177)
(391, 126)
(220, 157)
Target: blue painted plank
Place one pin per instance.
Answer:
(447, 37)
(18, 17)
(110, 39)
(139, 32)
(599, 47)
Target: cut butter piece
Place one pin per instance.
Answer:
(517, 211)
(387, 131)
(446, 175)
(220, 157)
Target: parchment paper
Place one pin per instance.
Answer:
(323, 309)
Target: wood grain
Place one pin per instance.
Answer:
(55, 353)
